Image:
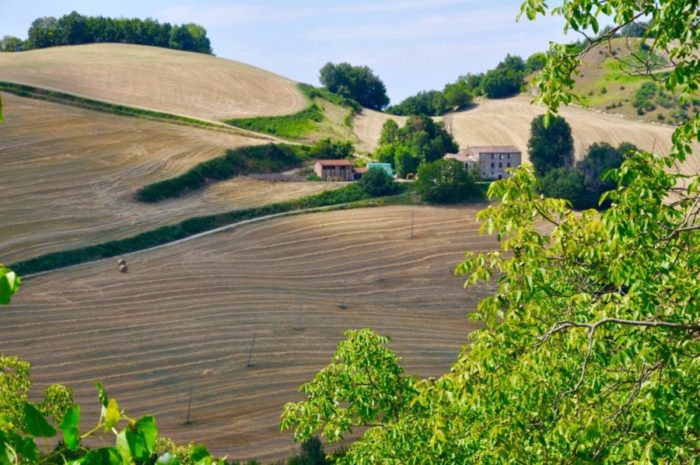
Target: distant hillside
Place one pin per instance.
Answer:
(171, 81)
(609, 83)
(507, 121)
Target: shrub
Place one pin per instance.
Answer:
(377, 182)
(245, 160)
(446, 181)
(326, 148)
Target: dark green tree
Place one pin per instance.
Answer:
(551, 146)
(11, 44)
(377, 182)
(446, 181)
(389, 131)
(42, 33)
(355, 82)
(327, 148)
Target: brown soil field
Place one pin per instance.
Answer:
(368, 128)
(191, 84)
(68, 177)
(184, 317)
(507, 122)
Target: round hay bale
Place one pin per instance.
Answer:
(123, 268)
(121, 262)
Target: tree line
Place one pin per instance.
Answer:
(76, 29)
(505, 80)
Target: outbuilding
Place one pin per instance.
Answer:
(334, 170)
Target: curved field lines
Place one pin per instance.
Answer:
(184, 317)
(507, 122)
(68, 177)
(368, 128)
(184, 83)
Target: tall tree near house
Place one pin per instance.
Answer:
(590, 351)
(551, 145)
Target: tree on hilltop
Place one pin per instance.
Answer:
(356, 82)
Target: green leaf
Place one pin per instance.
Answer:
(104, 456)
(141, 437)
(112, 416)
(35, 423)
(69, 426)
(9, 284)
(168, 459)
(102, 394)
(200, 455)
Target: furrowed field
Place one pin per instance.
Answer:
(69, 175)
(184, 317)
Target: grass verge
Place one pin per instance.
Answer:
(351, 196)
(268, 158)
(294, 126)
(53, 96)
(304, 123)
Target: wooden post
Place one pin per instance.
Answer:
(189, 404)
(413, 220)
(250, 352)
(300, 325)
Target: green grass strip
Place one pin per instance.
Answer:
(294, 126)
(270, 158)
(351, 196)
(53, 96)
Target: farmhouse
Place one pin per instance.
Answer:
(334, 170)
(491, 162)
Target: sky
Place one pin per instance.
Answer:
(412, 45)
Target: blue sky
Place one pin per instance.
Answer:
(412, 45)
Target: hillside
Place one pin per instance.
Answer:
(507, 121)
(609, 82)
(68, 176)
(184, 317)
(171, 81)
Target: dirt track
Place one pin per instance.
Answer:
(187, 314)
(178, 82)
(68, 177)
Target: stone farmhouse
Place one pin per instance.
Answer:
(490, 162)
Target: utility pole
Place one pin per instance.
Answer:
(413, 220)
(301, 307)
(189, 404)
(250, 352)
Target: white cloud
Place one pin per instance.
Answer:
(493, 20)
(404, 5)
(239, 13)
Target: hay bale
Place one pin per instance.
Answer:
(123, 268)
(121, 262)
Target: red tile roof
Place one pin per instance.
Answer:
(334, 162)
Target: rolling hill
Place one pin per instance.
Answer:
(612, 74)
(68, 176)
(507, 122)
(154, 78)
(184, 317)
